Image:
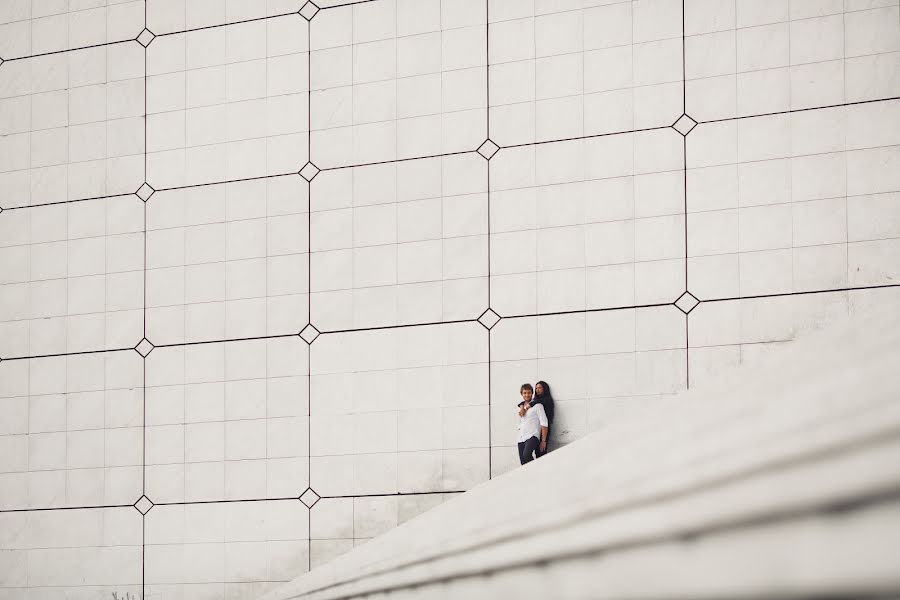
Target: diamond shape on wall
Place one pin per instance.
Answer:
(145, 37)
(145, 191)
(143, 505)
(309, 334)
(488, 149)
(309, 171)
(684, 125)
(309, 498)
(687, 302)
(489, 318)
(309, 11)
(144, 347)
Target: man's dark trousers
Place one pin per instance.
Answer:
(527, 449)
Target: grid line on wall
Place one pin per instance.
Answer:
(309, 288)
(465, 152)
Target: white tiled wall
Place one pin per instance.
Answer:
(82, 553)
(227, 421)
(748, 57)
(169, 16)
(342, 523)
(587, 224)
(72, 125)
(230, 550)
(30, 27)
(794, 202)
(733, 332)
(400, 243)
(596, 363)
(71, 277)
(71, 432)
(247, 256)
(399, 410)
(397, 79)
(228, 102)
(227, 261)
(570, 69)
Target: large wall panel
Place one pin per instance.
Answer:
(272, 272)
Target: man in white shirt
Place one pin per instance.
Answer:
(533, 425)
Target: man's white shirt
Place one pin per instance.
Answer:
(530, 425)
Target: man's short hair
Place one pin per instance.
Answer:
(526, 386)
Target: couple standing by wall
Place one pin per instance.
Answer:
(535, 418)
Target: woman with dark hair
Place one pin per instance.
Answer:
(543, 397)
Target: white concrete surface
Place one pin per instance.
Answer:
(445, 198)
(772, 480)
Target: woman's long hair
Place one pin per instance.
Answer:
(546, 399)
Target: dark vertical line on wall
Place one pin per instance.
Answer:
(308, 539)
(489, 365)
(144, 475)
(687, 339)
(490, 410)
(683, 61)
(309, 417)
(144, 359)
(684, 170)
(687, 350)
(489, 235)
(684, 140)
(309, 252)
(144, 428)
(143, 557)
(308, 455)
(309, 91)
(309, 188)
(145, 103)
(144, 311)
(309, 349)
(487, 64)
(487, 60)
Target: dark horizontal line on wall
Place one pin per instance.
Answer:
(199, 502)
(804, 293)
(425, 157)
(68, 201)
(588, 310)
(387, 327)
(347, 4)
(230, 501)
(49, 508)
(396, 160)
(706, 211)
(743, 344)
(587, 137)
(226, 181)
(227, 340)
(217, 25)
(437, 323)
(800, 110)
(327, 497)
(783, 156)
(70, 50)
(61, 354)
(69, 13)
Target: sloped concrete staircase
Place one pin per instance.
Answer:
(780, 479)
